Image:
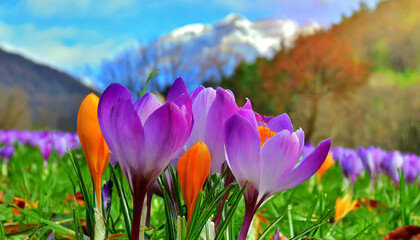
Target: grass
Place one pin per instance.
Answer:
(306, 211)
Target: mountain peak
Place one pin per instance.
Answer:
(235, 19)
(190, 29)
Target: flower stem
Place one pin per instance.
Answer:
(98, 193)
(138, 199)
(249, 214)
(149, 204)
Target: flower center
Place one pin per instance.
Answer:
(265, 133)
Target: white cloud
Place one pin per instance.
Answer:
(47, 45)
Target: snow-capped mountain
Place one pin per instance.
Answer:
(199, 52)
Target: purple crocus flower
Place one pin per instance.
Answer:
(211, 108)
(267, 156)
(391, 163)
(7, 137)
(371, 159)
(337, 153)
(23, 137)
(143, 137)
(411, 167)
(46, 148)
(6, 153)
(107, 197)
(59, 143)
(351, 164)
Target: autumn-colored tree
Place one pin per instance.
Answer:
(246, 82)
(316, 66)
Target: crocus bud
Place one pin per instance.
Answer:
(107, 197)
(193, 168)
(342, 207)
(93, 143)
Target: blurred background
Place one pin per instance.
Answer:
(348, 70)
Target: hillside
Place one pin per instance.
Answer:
(53, 97)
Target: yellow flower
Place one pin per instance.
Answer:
(329, 162)
(93, 143)
(342, 207)
(193, 168)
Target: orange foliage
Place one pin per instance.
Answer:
(317, 65)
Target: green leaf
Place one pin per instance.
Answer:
(50, 224)
(1, 230)
(151, 75)
(405, 218)
(311, 211)
(236, 197)
(170, 223)
(90, 215)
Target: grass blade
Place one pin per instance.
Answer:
(123, 198)
(271, 227)
(316, 226)
(361, 232)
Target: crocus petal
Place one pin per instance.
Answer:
(146, 105)
(196, 91)
(250, 116)
(278, 155)
(113, 160)
(177, 89)
(301, 135)
(121, 128)
(166, 131)
(307, 167)
(223, 107)
(280, 123)
(342, 207)
(200, 108)
(242, 150)
(247, 105)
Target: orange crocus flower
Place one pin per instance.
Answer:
(342, 207)
(193, 168)
(93, 143)
(329, 162)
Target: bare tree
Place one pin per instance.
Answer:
(14, 109)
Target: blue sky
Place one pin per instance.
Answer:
(70, 34)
